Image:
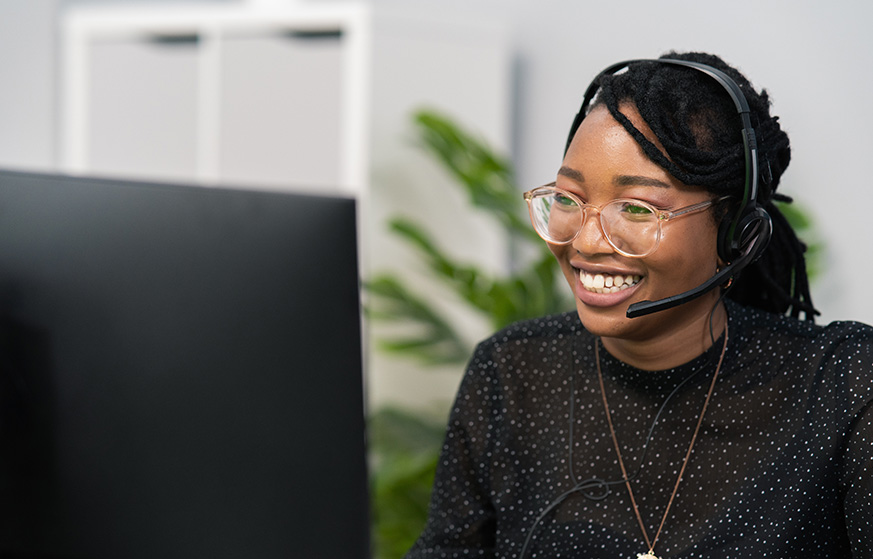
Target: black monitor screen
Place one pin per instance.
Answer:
(180, 372)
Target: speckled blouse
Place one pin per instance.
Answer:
(782, 467)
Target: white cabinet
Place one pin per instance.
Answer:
(275, 96)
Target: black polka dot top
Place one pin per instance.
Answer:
(782, 466)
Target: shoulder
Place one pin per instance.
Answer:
(529, 347)
(835, 359)
(758, 325)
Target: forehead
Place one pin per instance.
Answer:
(602, 145)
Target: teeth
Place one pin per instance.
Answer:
(604, 283)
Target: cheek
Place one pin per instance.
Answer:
(557, 250)
(562, 254)
(691, 252)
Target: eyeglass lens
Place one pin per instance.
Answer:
(631, 228)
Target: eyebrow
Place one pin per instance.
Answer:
(621, 180)
(571, 174)
(637, 180)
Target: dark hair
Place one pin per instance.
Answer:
(696, 121)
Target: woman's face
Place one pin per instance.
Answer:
(603, 163)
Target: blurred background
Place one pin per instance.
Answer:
(327, 97)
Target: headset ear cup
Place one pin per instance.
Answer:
(750, 238)
(724, 242)
(755, 231)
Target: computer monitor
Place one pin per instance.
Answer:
(180, 372)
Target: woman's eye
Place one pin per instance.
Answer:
(565, 201)
(636, 209)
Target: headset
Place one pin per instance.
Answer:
(743, 237)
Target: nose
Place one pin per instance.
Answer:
(591, 239)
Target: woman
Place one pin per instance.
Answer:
(715, 423)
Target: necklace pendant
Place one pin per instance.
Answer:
(648, 555)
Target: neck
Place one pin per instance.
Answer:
(670, 347)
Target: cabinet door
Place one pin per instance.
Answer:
(260, 106)
(281, 109)
(142, 107)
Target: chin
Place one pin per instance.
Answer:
(608, 322)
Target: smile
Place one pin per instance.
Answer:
(606, 283)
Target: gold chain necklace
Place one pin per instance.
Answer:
(651, 543)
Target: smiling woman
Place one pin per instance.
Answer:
(684, 409)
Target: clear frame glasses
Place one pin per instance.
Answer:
(632, 227)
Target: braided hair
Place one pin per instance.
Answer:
(697, 123)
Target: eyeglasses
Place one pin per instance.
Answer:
(631, 227)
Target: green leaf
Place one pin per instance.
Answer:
(405, 449)
(487, 178)
(430, 338)
(394, 430)
(801, 221)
